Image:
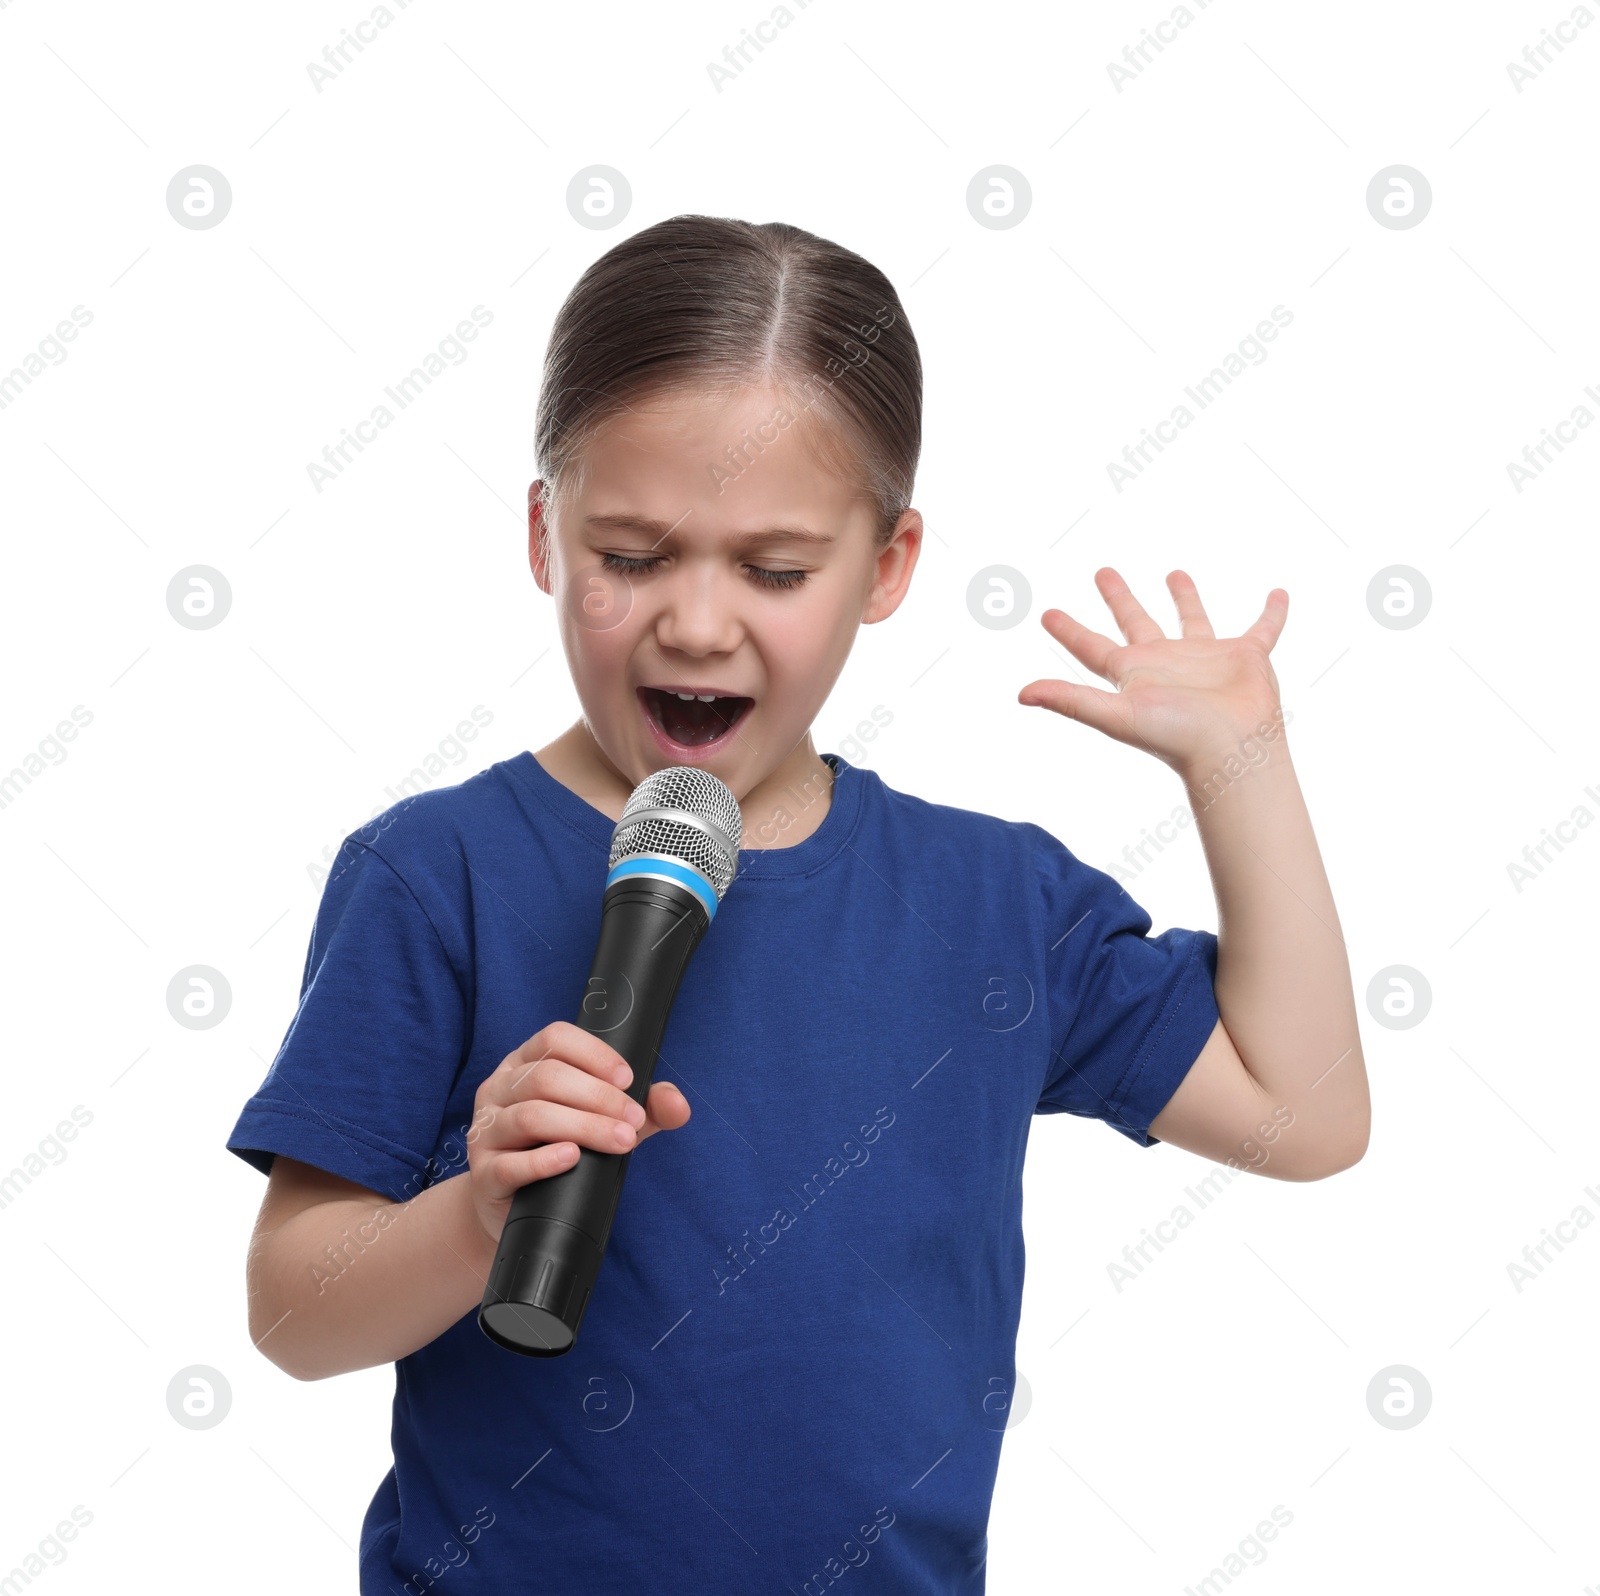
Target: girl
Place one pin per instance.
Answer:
(799, 1350)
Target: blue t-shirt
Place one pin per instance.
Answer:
(798, 1357)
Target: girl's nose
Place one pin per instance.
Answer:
(698, 612)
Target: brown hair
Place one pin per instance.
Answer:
(710, 303)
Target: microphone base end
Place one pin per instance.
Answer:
(535, 1299)
(534, 1332)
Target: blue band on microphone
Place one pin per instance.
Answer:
(659, 864)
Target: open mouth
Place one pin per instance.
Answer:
(695, 721)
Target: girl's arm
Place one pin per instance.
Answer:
(1281, 1086)
(340, 1278)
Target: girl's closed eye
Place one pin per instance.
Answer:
(761, 574)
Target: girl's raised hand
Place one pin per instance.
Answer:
(1189, 700)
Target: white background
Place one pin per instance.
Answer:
(1167, 219)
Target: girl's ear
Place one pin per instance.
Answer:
(538, 537)
(896, 561)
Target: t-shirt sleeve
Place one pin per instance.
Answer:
(1129, 1013)
(360, 1086)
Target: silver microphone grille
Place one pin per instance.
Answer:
(688, 814)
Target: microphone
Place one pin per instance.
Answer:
(673, 854)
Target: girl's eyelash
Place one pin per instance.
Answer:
(763, 577)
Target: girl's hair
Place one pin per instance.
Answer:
(709, 303)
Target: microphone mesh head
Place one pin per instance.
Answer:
(699, 794)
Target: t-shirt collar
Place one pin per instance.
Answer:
(811, 853)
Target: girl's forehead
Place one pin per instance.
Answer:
(757, 413)
(720, 467)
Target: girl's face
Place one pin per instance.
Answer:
(710, 551)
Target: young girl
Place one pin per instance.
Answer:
(808, 1304)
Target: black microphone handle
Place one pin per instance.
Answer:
(556, 1231)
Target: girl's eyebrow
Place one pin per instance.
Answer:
(740, 540)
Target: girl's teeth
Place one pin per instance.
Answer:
(705, 698)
